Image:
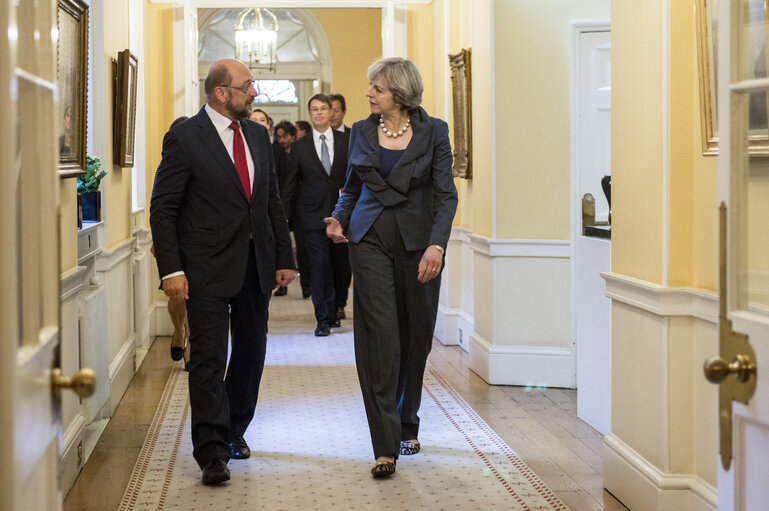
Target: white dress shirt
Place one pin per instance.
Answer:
(329, 142)
(222, 125)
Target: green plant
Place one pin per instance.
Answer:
(89, 182)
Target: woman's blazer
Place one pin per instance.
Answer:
(420, 189)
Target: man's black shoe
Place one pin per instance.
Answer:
(322, 331)
(281, 291)
(340, 312)
(239, 448)
(305, 292)
(215, 472)
(335, 324)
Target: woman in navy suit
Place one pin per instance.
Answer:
(396, 211)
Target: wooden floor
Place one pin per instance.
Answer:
(538, 424)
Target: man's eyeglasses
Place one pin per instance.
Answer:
(244, 88)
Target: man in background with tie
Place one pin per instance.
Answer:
(221, 243)
(316, 173)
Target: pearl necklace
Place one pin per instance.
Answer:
(390, 133)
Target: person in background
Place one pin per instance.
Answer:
(396, 212)
(177, 309)
(285, 135)
(338, 111)
(260, 117)
(221, 243)
(316, 172)
(303, 128)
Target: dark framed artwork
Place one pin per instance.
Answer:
(463, 114)
(125, 109)
(72, 77)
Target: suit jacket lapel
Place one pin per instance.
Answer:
(400, 176)
(211, 139)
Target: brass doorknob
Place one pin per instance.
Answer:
(83, 383)
(717, 369)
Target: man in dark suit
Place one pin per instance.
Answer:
(317, 167)
(338, 111)
(221, 243)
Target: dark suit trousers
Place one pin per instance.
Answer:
(342, 274)
(318, 248)
(393, 322)
(302, 261)
(223, 407)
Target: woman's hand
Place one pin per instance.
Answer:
(334, 230)
(430, 265)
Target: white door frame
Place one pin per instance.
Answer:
(394, 34)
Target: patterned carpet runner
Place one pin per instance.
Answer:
(311, 449)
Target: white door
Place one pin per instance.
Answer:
(29, 258)
(744, 189)
(591, 255)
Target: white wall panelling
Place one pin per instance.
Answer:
(521, 314)
(73, 423)
(660, 337)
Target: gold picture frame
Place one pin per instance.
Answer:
(707, 52)
(72, 77)
(125, 109)
(463, 114)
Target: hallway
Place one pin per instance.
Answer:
(538, 424)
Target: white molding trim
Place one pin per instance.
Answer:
(625, 469)
(549, 366)
(73, 432)
(162, 325)
(519, 247)
(661, 300)
(108, 259)
(126, 353)
(460, 234)
(72, 282)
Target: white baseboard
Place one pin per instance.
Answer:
(544, 366)
(121, 372)
(641, 486)
(446, 326)
(72, 455)
(162, 325)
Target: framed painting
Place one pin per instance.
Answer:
(125, 109)
(72, 77)
(462, 112)
(752, 51)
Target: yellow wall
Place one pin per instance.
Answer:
(636, 135)
(116, 185)
(531, 79)
(158, 84)
(683, 99)
(67, 224)
(355, 38)
(638, 154)
(421, 51)
(693, 177)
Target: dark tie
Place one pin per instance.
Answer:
(325, 159)
(239, 155)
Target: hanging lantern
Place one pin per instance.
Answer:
(256, 39)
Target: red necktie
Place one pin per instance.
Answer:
(239, 155)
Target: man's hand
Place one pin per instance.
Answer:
(334, 230)
(284, 277)
(177, 287)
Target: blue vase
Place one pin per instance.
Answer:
(91, 206)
